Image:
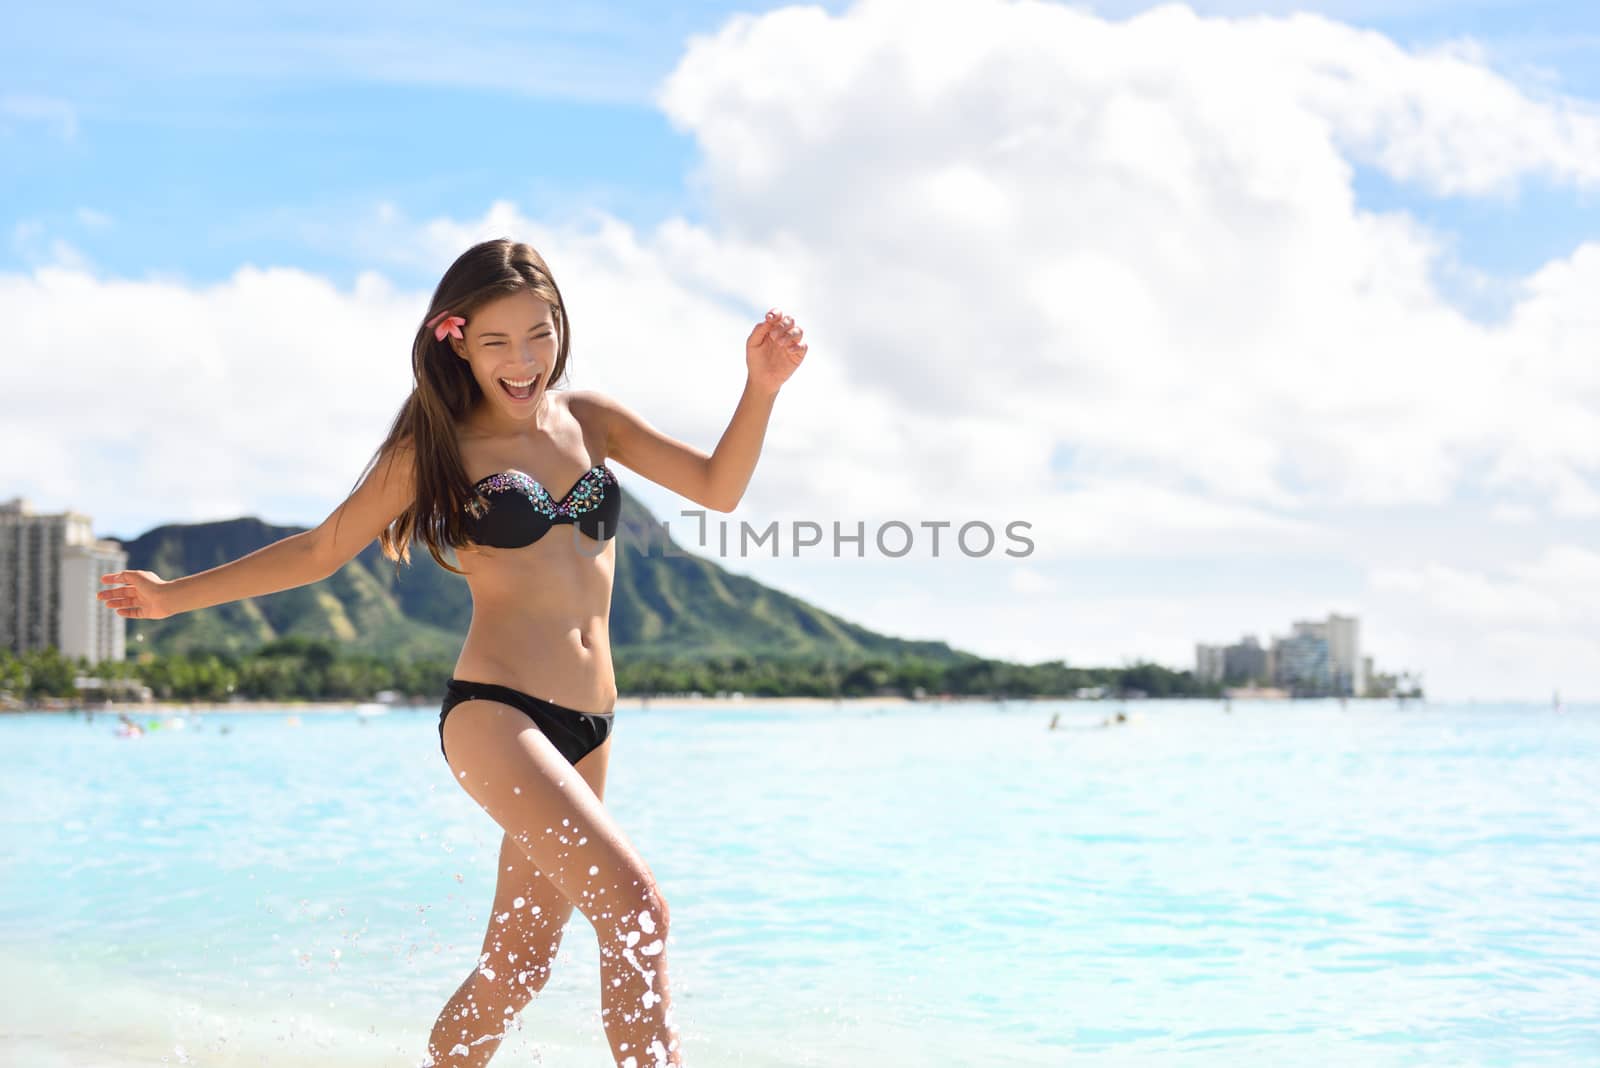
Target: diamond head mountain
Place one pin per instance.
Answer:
(663, 606)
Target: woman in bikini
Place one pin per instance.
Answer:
(471, 463)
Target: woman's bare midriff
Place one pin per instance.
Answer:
(541, 613)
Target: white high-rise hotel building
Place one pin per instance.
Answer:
(1322, 656)
(50, 568)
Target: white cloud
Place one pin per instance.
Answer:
(1512, 513)
(1030, 582)
(33, 243)
(1011, 230)
(51, 112)
(1441, 118)
(1525, 627)
(171, 403)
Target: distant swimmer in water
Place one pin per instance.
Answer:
(487, 434)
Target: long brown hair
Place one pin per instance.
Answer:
(444, 391)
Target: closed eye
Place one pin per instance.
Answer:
(546, 334)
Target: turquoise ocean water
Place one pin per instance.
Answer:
(928, 884)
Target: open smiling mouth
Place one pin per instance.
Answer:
(519, 391)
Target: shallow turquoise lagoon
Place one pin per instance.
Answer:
(953, 884)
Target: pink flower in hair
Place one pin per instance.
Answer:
(446, 325)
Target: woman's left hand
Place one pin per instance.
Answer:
(773, 351)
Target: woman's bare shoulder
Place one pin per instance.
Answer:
(586, 403)
(592, 410)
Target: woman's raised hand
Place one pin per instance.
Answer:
(141, 595)
(773, 351)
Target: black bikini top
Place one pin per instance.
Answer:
(513, 510)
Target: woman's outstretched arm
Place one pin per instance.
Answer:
(773, 352)
(298, 560)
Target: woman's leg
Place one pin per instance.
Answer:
(556, 817)
(526, 921)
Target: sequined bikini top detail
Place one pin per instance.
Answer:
(512, 510)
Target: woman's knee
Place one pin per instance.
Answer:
(637, 913)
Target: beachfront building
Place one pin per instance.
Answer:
(1344, 656)
(1244, 663)
(1304, 666)
(1318, 659)
(50, 568)
(1323, 658)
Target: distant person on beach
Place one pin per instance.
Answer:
(469, 463)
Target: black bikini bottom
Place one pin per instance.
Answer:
(575, 734)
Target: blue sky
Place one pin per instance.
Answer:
(244, 130)
(257, 126)
(710, 160)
